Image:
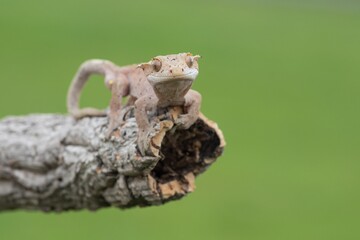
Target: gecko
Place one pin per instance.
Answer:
(164, 81)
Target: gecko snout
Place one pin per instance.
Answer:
(176, 71)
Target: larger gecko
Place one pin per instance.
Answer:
(162, 82)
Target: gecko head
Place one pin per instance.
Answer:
(174, 67)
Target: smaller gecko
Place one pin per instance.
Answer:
(163, 82)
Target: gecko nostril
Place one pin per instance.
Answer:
(182, 69)
(171, 71)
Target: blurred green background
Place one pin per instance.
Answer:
(280, 77)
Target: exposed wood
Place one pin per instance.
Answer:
(54, 163)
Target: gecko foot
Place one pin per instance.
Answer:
(113, 125)
(185, 121)
(142, 141)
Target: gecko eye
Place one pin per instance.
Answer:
(189, 61)
(157, 64)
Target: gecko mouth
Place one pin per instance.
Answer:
(188, 76)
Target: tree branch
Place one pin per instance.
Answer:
(54, 163)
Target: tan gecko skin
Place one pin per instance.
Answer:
(164, 81)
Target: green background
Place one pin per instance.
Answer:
(280, 77)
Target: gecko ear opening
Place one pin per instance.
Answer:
(146, 67)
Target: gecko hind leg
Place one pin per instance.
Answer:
(119, 88)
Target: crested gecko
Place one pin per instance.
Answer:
(164, 81)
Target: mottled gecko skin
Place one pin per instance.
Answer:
(164, 81)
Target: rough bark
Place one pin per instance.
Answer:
(54, 163)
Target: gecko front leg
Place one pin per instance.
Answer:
(142, 105)
(192, 108)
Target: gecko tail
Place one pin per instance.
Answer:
(88, 112)
(94, 66)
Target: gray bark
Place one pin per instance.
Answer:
(53, 163)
